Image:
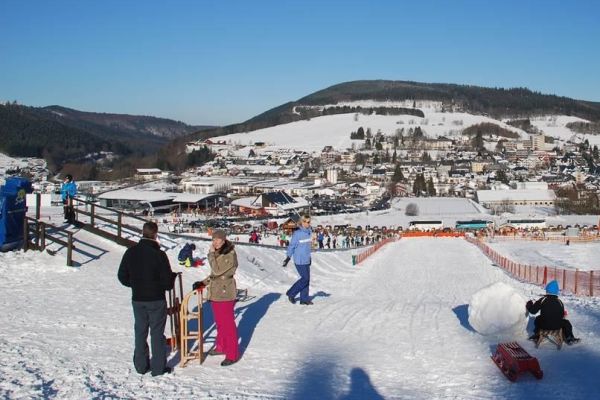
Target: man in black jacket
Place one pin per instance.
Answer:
(146, 270)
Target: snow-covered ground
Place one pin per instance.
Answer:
(583, 256)
(395, 327)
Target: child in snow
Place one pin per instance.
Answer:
(552, 314)
(186, 255)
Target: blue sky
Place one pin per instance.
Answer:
(221, 62)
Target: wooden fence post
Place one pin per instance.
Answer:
(93, 209)
(38, 206)
(70, 249)
(576, 273)
(119, 220)
(42, 234)
(25, 234)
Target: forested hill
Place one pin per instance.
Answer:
(495, 102)
(62, 135)
(122, 123)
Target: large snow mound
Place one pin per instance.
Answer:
(497, 309)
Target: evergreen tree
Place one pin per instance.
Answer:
(501, 176)
(419, 185)
(398, 176)
(477, 141)
(360, 134)
(394, 156)
(199, 157)
(430, 187)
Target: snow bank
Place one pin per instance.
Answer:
(497, 309)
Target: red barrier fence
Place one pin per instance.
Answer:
(409, 234)
(360, 257)
(584, 283)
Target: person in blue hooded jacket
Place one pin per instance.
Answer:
(552, 314)
(300, 248)
(68, 191)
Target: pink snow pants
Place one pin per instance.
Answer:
(227, 337)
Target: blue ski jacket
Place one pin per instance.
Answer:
(300, 246)
(68, 190)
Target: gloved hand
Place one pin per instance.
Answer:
(529, 305)
(199, 285)
(286, 261)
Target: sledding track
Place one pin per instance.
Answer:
(394, 327)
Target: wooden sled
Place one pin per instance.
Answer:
(191, 346)
(513, 360)
(555, 337)
(173, 311)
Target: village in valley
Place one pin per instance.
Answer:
(518, 174)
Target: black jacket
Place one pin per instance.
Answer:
(146, 270)
(552, 312)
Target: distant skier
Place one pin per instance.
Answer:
(320, 238)
(68, 191)
(299, 249)
(552, 314)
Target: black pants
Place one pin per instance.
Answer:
(69, 211)
(567, 328)
(150, 315)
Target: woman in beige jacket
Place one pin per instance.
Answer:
(222, 292)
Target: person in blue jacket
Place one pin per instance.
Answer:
(186, 254)
(68, 191)
(299, 249)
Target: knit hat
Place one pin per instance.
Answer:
(219, 233)
(552, 288)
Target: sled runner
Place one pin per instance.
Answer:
(513, 360)
(242, 295)
(555, 337)
(173, 309)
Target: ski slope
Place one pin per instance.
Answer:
(395, 327)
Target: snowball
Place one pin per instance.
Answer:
(497, 309)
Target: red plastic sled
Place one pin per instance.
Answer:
(513, 360)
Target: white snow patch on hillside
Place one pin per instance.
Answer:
(334, 130)
(556, 126)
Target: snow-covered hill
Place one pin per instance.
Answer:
(334, 130)
(394, 327)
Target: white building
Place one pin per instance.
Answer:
(517, 197)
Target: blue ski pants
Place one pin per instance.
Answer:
(301, 285)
